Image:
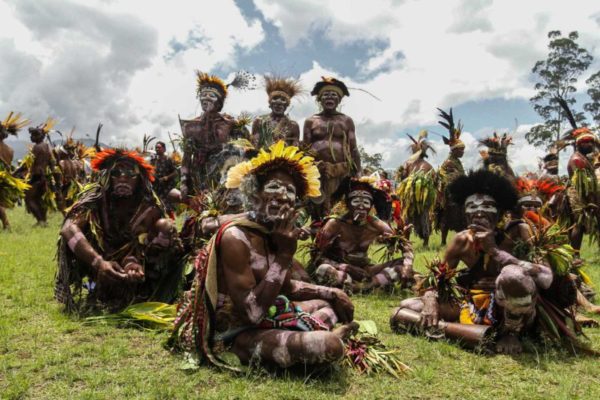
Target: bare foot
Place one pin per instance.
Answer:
(587, 322)
(346, 330)
(509, 344)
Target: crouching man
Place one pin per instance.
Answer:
(116, 245)
(501, 289)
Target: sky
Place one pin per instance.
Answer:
(131, 64)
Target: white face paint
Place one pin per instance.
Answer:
(530, 202)
(276, 186)
(480, 203)
(360, 204)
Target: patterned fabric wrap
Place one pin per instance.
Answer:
(478, 308)
(284, 314)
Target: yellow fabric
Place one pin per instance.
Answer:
(480, 300)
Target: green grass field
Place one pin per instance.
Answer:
(45, 354)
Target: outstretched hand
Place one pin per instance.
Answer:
(110, 271)
(483, 237)
(429, 315)
(283, 234)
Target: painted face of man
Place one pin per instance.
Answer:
(209, 100)
(124, 179)
(329, 100)
(278, 104)
(458, 152)
(481, 209)
(360, 204)
(530, 203)
(278, 194)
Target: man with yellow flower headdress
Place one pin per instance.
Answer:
(11, 189)
(331, 137)
(243, 297)
(40, 166)
(270, 128)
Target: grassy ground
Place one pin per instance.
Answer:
(45, 354)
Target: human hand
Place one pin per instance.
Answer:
(429, 314)
(342, 305)
(483, 237)
(134, 271)
(283, 235)
(110, 270)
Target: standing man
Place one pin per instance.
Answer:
(165, 172)
(450, 215)
(205, 137)
(11, 188)
(330, 136)
(270, 128)
(40, 164)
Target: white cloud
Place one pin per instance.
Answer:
(131, 64)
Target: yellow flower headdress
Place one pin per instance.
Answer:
(13, 123)
(46, 127)
(279, 156)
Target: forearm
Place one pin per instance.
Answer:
(79, 245)
(541, 274)
(301, 291)
(258, 300)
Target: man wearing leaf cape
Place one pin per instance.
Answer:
(116, 245)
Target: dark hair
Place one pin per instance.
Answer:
(162, 144)
(484, 182)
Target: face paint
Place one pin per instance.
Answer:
(530, 203)
(481, 209)
(329, 99)
(277, 193)
(124, 180)
(360, 204)
(208, 100)
(278, 104)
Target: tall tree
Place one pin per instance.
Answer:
(593, 91)
(371, 161)
(556, 77)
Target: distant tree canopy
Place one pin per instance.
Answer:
(556, 77)
(593, 107)
(370, 161)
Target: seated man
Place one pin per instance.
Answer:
(243, 297)
(115, 241)
(343, 245)
(502, 289)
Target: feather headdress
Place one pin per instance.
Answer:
(454, 131)
(279, 157)
(106, 159)
(577, 134)
(286, 87)
(497, 144)
(330, 83)
(242, 80)
(13, 123)
(46, 127)
(484, 182)
(542, 188)
(419, 146)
